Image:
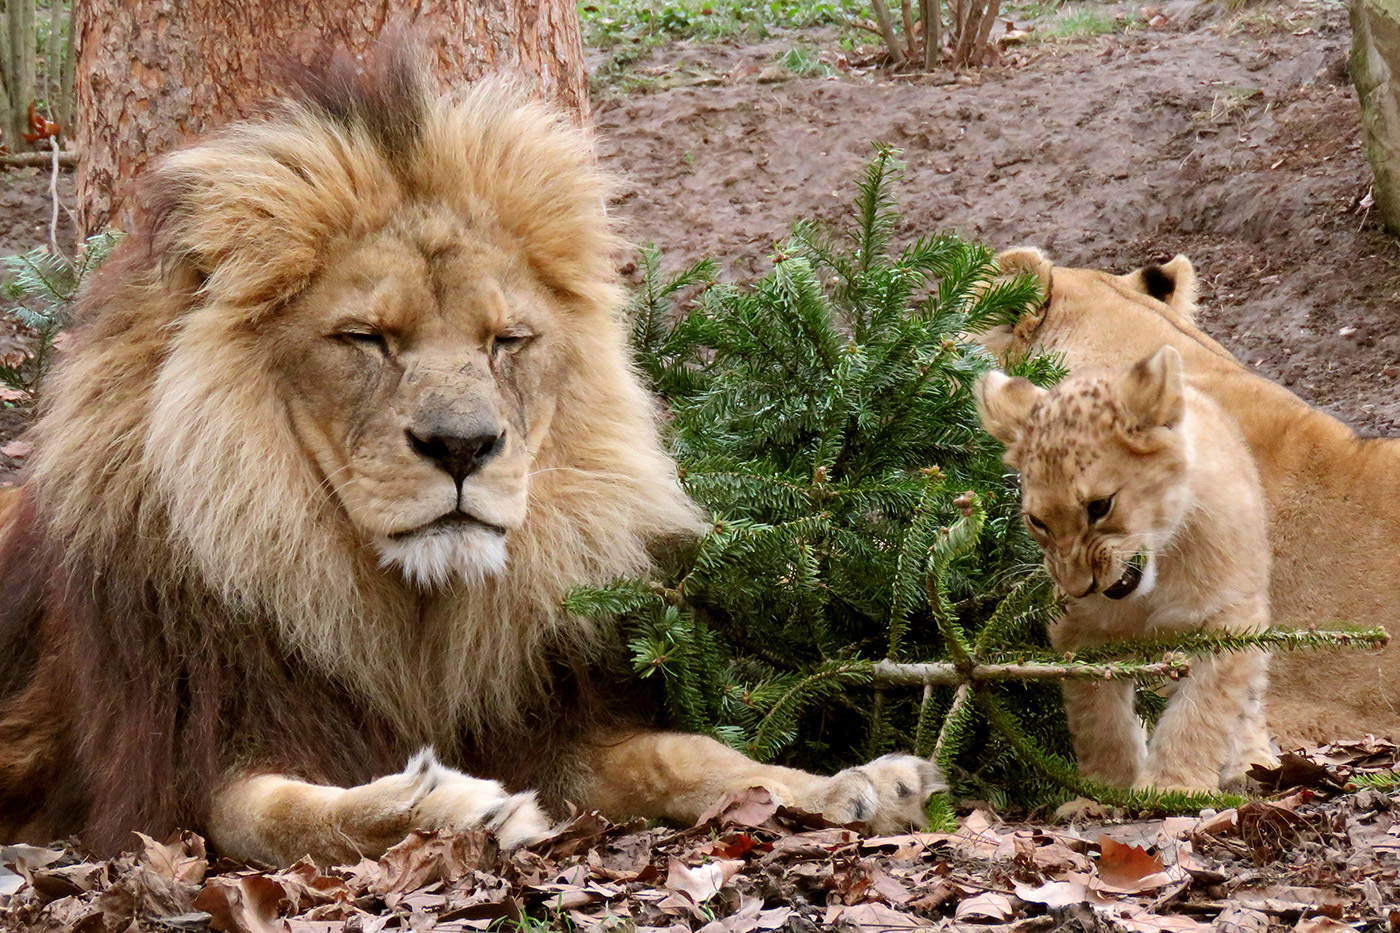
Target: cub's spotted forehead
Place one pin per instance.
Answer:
(1066, 431)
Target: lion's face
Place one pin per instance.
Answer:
(1103, 469)
(421, 367)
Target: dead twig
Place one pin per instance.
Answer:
(38, 159)
(949, 673)
(53, 196)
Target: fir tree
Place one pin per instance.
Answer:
(45, 286)
(824, 416)
(866, 540)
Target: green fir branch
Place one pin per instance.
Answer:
(1202, 642)
(1061, 772)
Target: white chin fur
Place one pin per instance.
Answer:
(431, 560)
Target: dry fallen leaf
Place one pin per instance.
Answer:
(1241, 920)
(425, 857)
(1134, 918)
(241, 904)
(9, 882)
(990, 907)
(703, 882)
(975, 837)
(1129, 869)
(17, 450)
(753, 806)
(1322, 925)
(876, 918)
(1056, 893)
(179, 858)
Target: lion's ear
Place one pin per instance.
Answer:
(1009, 341)
(1004, 403)
(1172, 283)
(1153, 391)
(1027, 259)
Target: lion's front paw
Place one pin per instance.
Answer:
(381, 813)
(459, 801)
(888, 794)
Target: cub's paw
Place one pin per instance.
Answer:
(1178, 783)
(1235, 775)
(459, 801)
(888, 794)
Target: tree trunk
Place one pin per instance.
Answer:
(153, 73)
(21, 45)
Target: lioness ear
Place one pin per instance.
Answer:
(1027, 259)
(1153, 391)
(1172, 283)
(1009, 341)
(1004, 404)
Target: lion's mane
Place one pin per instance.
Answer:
(205, 601)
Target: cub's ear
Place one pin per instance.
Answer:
(1027, 259)
(1153, 391)
(1004, 404)
(1172, 283)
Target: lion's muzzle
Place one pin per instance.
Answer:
(460, 453)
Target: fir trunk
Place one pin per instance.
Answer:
(153, 73)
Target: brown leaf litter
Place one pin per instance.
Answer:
(1320, 855)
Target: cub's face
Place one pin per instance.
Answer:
(421, 369)
(1103, 470)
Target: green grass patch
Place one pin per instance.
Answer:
(1085, 22)
(608, 23)
(626, 30)
(803, 63)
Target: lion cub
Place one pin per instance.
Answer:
(1143, 496)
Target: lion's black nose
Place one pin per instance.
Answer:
(458, 454)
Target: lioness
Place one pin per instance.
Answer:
(1144, 498)
(1333, 498)
(342, 422)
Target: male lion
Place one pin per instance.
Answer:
(1143, 496)
(1334, 522)
(341, 423)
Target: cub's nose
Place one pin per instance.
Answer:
(459, 455)
(1075, 579)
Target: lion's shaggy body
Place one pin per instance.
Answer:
(205, 602)
(1334, 524)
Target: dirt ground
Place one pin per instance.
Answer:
(1234, 139)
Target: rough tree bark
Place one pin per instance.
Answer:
(153, 73)
(19, 48)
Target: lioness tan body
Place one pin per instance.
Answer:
(1144, 498)
(1333, 497)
